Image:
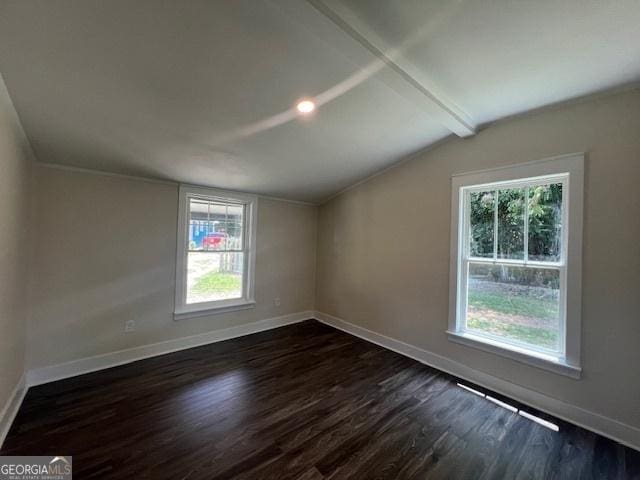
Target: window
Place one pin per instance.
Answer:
(216, 251)
(516, 262)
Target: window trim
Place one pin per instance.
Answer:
(572, 165)
(184, 310)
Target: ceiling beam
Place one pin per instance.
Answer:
(339, 28)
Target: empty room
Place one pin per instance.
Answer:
(319, 239)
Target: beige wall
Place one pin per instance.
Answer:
(15, 170)
(105, 253)
(383, 248)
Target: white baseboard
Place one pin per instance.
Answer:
(81, 366)
(607, 427)
(10, 409)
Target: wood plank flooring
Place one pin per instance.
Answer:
(300, 402)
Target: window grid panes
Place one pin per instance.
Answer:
(215, 226)
(513, 268)
(215, 250)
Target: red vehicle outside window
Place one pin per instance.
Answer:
(213, 241)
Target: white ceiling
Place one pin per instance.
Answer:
(202, 91)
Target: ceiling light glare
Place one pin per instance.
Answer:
(305, 107)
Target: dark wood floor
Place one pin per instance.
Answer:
(300, 402)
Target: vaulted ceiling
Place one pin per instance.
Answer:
(204, 91)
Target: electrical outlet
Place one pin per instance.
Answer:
(130, 326)
(276, 301)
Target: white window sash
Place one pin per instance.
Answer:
(463, 296)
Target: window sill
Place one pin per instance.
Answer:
(205, 312)
(539, 360)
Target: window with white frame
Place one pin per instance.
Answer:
(216, 251)
(516, 256)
